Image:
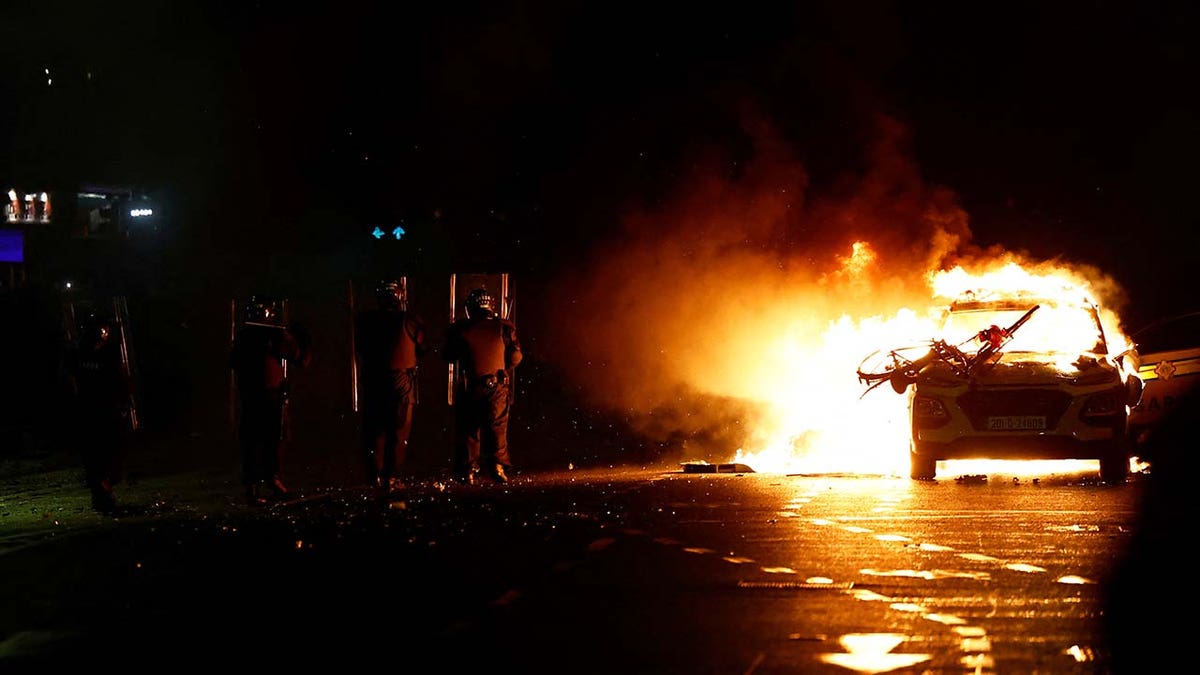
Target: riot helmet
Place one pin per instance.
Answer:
(480, 304)
(261, 309)
(391, 294)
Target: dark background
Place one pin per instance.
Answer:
(510, 136)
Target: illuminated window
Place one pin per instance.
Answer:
(12, 210)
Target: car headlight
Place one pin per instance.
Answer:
(929, 412)
(1100, 408)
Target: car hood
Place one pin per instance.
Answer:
(1034, 368)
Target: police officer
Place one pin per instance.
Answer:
(486, 351)
(389, 341)
(262, 351)
(101, 383)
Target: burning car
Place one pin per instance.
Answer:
(1014, 376)
(1169, 355)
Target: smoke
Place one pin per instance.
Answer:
(678, 319)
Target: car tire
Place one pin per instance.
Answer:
(1114, 465)
(922, 467)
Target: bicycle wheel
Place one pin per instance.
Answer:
(882, 365)
(876, 366)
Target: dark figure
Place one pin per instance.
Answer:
(486, 351)
(100, 381)
(388, 343)
(1142, 636)
(262, 352)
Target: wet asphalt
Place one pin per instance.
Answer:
(186, 570)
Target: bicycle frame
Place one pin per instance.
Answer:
(901, 371)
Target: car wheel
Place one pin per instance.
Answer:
(1114, 465)
(922, 467)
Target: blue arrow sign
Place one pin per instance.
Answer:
(398, 232)
(377, 233)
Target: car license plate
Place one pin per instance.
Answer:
(1016, 423)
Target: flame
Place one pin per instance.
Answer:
(728, 319)
(815, 419)
(1046, 280)
(820, 423)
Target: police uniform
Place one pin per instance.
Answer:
(102, 386)
(258, 359)
(388, 344)
(486, 350)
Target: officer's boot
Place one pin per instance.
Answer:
(254, 495)
(103, 500)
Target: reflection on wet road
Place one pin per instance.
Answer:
(605, 571)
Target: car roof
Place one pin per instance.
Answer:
(1173, 318)
(1172, 333)
(1014, 302)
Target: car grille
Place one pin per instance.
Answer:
(980, 404)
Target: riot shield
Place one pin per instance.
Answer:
(461, 285)
(77, 307)
(125, 336)
(237, 321)
(353, 347)
(232, 389)
(356, 303)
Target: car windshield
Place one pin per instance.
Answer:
(1177, 333)
(1053, 328)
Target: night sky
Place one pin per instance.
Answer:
(527, 126)
(536, 137)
